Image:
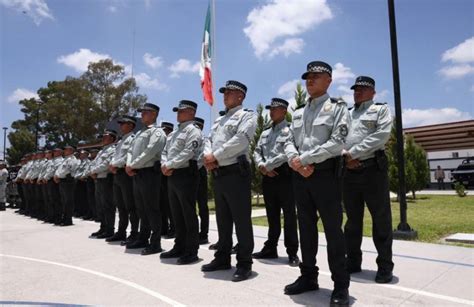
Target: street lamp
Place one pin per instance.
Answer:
(4, 143)
(38, 102)
(403, 231)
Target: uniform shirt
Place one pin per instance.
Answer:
(36, 169)
(120, 156)
(102, 161)
(87, 170)
(3, 184)
(52, 167)
(318, 130)
(44, 169)
(270, 149)
(200, 158)
(24, 170)
(181, 146)
(81, 169)
(231, 135)
(369, 130)
(146, 147)
(67, 167)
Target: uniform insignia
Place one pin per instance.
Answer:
(297, 117)
(370, 124)
(343, 130)
(327, 108)
(195, 144)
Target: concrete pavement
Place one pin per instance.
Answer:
(48, 265)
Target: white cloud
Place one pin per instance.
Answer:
(147, 3)
(145, 81)
(342, 74)
(20, 94)
(112, 9)
(456, 71)
(283, 20)
(382, 95)
(462, 53)
(79, 60)
(288, 89)
(419, 117)
(153, 62)
(345, 93)
(37, 10)
(291, 45)
(183, 66)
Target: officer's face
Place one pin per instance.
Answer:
(149, 117)
(49, 155)
(277, 114)
(184, 115)
(57, 153)
(363, 93)
(317, 84)
(107, 139)
(126, 127)
(68, 151)
(233, 98)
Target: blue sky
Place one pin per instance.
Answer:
(265, 44)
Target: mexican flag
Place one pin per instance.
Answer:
(206, 55)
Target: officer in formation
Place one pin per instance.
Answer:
(99, 170)
(123, 185)
(43, 183)
(3, 184)
(81, 205)
(202, 194)
(143, 164)
(226, 155)
(314, 147)
(271, 160)
(168, 229)
(366, 179)
(179, 164)
(91, 198)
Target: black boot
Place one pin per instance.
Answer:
(301, 285)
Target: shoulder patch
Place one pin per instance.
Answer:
(338, 100)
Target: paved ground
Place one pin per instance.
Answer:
(43, 264)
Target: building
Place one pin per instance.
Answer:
(446, 145)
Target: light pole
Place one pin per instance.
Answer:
(4, 143)
(403, 231)
(38, 102)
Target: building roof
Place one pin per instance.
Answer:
(448, 136)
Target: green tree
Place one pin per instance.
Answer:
(22, 141)
(262, 122)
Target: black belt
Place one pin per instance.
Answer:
(226, 170)
(327, 164)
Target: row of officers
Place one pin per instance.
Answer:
(329, 157)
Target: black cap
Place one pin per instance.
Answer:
(126, 119)
(186, 104)
(149, 107)
(234, 85)
(167, 125)
(277, 102)
(69, 146)
(199, 121)
(364, 81)
(317, 67)
(110, 132)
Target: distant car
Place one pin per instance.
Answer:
(464, 173)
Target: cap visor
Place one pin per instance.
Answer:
(222, 90)
(175, 109)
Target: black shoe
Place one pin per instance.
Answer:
(213, 246)
(353, 268)
(241, 274)
(340, 297)
(150, 250)
(118, 236)
(301, 285)
(137, 244)
(203, 240)
(187, 259)
(383, 276)
(234, 249)
(266, 253)
(95, 234)
(170, 235)
(66, 223)
(216, 265)
(105, 235)
(172, 253)
(132, 237)
(293, 260)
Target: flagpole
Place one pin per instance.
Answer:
(213, 61)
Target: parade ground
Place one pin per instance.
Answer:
(42, 264)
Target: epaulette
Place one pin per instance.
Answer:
(268, 126)
(337, 100)
(380, 103)
(350, 108)
(300, 106)
(222, 113)
(248, 110)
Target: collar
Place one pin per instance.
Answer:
(185, 124)
(232, 111)
(126, 135)
(280, 125)
(318, 100)
(364, 105)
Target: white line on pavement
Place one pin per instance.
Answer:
(116, 279)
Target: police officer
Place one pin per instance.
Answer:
(202, 194)
(226, 155)
(80, 185)
(313, 149)
(104, 185)
(270, 158)
(167, 227)
(366, 179)
(53, 187)
(143, 164)
(43, 181)
(123, 185)
(63, 176)
(179, 164)
(3, 184)
(19, 183)
(91, 199)
(21, 179)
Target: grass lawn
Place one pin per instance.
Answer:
(433, 216)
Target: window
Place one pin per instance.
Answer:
(455, 154)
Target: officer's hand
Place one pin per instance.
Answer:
(263, 170)
(166, 171)
(94, 176)
(272, 174)
(306, 171)
(352, 164)
(112, 169)
(295, 163)
(130, 171)
(209, 158)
